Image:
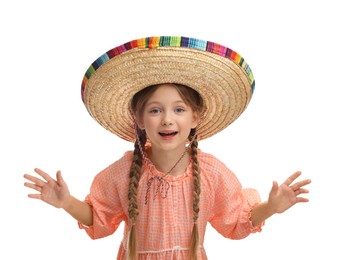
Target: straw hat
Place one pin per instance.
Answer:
(221, 76)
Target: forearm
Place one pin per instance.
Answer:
(79, 210)
(261, 212)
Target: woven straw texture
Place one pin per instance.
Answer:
(220, 75)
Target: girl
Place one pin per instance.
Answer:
(164, 94)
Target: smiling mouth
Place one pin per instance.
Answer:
(168, 133)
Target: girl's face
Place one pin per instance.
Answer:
(167, 119)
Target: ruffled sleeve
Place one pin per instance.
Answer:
(107, 193)
(231, 211)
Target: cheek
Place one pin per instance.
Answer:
(190, 122)
(143, 121)
(150, 123)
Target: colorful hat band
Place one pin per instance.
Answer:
(170, 41)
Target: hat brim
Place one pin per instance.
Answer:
(225, 85)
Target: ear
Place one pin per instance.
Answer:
(196, 119)
(140, 123)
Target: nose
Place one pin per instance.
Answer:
(166, 119)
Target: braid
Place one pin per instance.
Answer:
(132, 192)
(196, 193)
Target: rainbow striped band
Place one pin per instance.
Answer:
(170, 41)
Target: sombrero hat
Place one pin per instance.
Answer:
(220, 75)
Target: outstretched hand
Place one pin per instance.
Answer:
(287, 194)
(52, 191)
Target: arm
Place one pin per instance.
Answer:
(280, 199)
(79, 210)
(56, 193)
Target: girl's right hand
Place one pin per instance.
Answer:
(51, 191)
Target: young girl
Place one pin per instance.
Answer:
(164, 94)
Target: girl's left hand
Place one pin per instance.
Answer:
(287, 194)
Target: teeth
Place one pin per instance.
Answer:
(166, 134)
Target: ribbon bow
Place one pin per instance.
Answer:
(162, 187)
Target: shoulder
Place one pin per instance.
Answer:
(118, 171)
(122, 163)
(214, 169)
(209, 162)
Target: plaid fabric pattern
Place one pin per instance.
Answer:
(164, 225)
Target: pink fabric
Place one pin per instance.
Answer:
(164, 225)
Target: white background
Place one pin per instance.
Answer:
(290, 124)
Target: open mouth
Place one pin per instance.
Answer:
(168, 133)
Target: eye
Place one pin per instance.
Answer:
(179, 110)
(154, 110)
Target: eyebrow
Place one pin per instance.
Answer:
(158, 102)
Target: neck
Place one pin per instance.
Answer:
(170, 162)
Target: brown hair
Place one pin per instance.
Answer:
(194, 100)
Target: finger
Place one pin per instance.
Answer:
(300, 199)
(35, 180)
(275, 187)
(59, 178)
(301, 191)
(34, 196)
(292, 178)
(43, 174)
(33, 186)
(300, 184)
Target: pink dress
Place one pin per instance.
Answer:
(164, 225)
